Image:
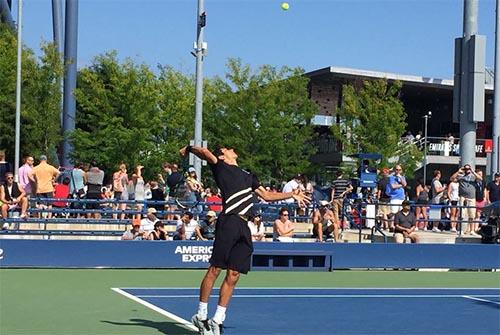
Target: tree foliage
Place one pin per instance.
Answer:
(40, 98)
(265, 116)
(373, 121)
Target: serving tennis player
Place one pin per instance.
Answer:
(232, 249)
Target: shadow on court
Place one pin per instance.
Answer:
(163, 327)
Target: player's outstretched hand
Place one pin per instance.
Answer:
(183, 152)
(301, 198)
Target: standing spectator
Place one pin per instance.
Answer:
(44, 175)
(467, 179)
(396, 189)
(120, 182)
(493, 189)
(139, 189)
(384, 210)
(340, 188)
(291, 186)
(4, 167)
(453, 199)
(186, 226)
(405, 224)
(422, 193)
(257, 229)
(157, 194)
(283, 227)
(12, 196)
(95, 179)
(195, 188)
(206, 229)
(480, 201)
(25, 172)
(78, 181)
(324, 222)
(159, 232)
(437, 191)
(174, 179)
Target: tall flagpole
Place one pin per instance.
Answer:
(18, 88)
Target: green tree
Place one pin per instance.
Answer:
(373, 120)
(40, 97)
(265, 116)
(117, 112)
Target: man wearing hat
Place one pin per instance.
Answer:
(206, 229)
(43, 175)
(324, 222)
(135, 233)
(148, 223)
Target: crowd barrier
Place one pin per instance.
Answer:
(267, 256)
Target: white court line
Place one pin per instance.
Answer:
(169, 315)
(478, 299)
(327, 296)
(319, 288)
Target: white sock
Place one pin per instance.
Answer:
(220, 314)
(203, 310)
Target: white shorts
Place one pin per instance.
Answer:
(396, 205)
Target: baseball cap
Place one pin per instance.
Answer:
(211, 213)
(497, 174)
(323, 203)
(136, 222)
(191, 169)
(151, 210)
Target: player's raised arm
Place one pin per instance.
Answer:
(298, 195)
(200, 152)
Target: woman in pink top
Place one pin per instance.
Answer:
(120, 178)
(283, 227)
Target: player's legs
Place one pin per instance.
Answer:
(208, 283)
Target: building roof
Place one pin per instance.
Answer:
(332, 72)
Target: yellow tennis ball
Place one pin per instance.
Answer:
(285, 5)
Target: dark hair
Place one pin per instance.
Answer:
(66, 181)
(282, 210)
(159, 224)
(420, 181)
(436, 172)
(405, 203)
(189, 214)
(218, 150)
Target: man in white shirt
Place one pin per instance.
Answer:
(186, 227)
(148, 223)
(291, 186)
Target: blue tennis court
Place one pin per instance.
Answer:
(339, 311)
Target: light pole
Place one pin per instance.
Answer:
(426, 118)
(17, 150)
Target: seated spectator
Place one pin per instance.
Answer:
(324, 222)
(186, 227)
(206, 229)
(61, 191)
(257, 228)
(148, 223)
(12, 196)
(283, 227)
(159, 232)
(215, 201)
(405, 224)
(136, 233)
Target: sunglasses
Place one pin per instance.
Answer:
(285, 214)
(9, 178)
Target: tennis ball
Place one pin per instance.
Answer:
(285, 5)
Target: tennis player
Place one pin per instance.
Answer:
(232, 248)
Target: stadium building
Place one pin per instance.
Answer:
(419, 95)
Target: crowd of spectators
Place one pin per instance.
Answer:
(460, 200)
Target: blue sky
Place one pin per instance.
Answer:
(400, 36)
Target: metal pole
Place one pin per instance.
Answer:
(425, 149)
(199, 51)
(18, 88)
(495, 157)
(467, 127)
(70, 55)
(57, 31)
